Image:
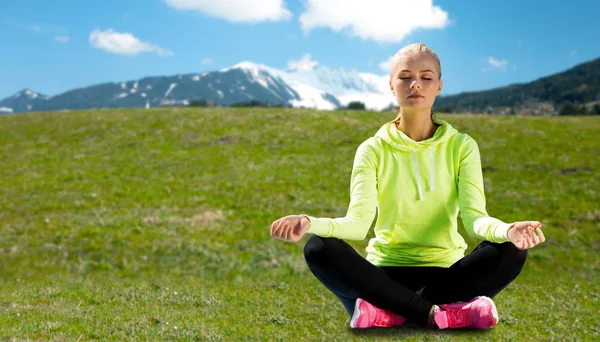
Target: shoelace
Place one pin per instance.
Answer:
(458, 318)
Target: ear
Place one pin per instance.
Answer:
(440, 87)
(392, 88)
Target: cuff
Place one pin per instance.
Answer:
(317, 226)
(503, 231)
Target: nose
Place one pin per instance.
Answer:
(414, 84)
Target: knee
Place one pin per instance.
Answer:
(316, 249)
(513, 256)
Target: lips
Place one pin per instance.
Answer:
(415, 96)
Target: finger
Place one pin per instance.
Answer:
(540, 234)
(288, 233)
(274, 226)
(272, 229)
(532, 240)
(528, 241)
(284, 230)
(535, 238)
(278, 230)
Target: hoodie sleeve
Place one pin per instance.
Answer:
(363, 200)
(471, 197)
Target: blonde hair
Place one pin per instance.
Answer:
(411, 50)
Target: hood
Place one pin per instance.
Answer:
(400, 141)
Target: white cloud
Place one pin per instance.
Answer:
(123, 43)
(573, 53)
(62, 39)
(42, 29)
(385, 65)
(304, 64)
(380, 20)
(206, 61)
(496, 64)
(36, 28)
(236, 10)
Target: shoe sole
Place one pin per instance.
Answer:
(356, 313)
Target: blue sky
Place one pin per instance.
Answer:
(53, 46)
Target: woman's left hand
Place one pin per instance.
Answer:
(526, 234)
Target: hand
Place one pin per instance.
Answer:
(290, 228)
(526, 234)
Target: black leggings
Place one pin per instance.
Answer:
(411, 291)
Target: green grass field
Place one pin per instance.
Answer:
(154, 224)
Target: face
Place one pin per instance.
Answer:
(416, 82)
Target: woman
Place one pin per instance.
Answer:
(419, 172)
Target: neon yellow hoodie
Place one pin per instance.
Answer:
(418, 189)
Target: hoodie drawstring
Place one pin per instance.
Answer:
(431, 160)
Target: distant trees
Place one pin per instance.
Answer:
(255, 103)
(579, 109)
(356, 105)
(445, 109)
(202, 103)
(392, 107)
(573, 109)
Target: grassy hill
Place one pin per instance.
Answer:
(571, 92)
(153, 224)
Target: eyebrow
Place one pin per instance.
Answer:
(421, 71)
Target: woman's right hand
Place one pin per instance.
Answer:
(290, 228)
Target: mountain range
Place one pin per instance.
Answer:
(318, 87)
(578, 86)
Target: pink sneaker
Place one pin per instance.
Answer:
(366, 315)
(479, 313)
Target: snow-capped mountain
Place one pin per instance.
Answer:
(24, 100)
(346, 86)
(319, 87)
(305, 94)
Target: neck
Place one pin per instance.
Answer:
(417, 124)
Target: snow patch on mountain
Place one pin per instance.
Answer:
(29, 93)
(173, 85)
